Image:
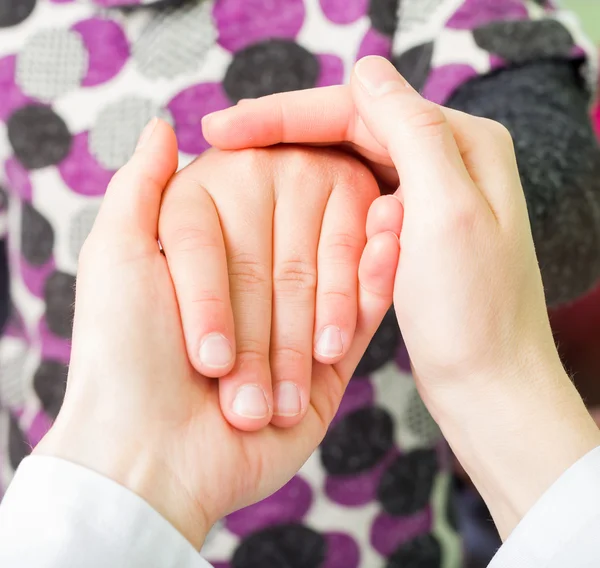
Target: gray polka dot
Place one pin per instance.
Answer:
(51, 63)
(18, 448)
(118, 126)
(37, 236)
(420, 422)
(81, 225)
(175, 41)
(59, 294)
(11, 378)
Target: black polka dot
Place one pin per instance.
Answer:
(519, 41)
(272, 66)
(384, 15)
(18, 448)
(59, 294)
(283, 546)
(383, 346)
(37, 236)
(405, 487)
(13, 12)
(50, 382)
(3, 198)
(422, 552)
(358, 441)
(415, 64)
(39, 136)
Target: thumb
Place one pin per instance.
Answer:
(414, 131)
(131, 205)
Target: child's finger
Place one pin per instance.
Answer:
(191, 236)
(132, 203)
(340, 248)
(385, 215)
(376, 275)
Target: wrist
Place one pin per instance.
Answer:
(135, 465)
(516, 434)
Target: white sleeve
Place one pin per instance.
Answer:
(58, 514)
(563, 527)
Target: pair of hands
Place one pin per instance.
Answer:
(467, 294)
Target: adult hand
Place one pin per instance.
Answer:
(135, 409)
(468, 291)
(293, 223)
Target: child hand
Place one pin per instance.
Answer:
(293, 223)
(135, 409)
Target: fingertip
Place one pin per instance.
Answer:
(386, 214)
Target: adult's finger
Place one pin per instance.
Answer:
(131, 205)
(190, 233)
(415, 132)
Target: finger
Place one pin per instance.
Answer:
(416, 134)
(341, 245)
(312, 116)
(385, 215)
(297, 222)
(190, 233)
(377, 272)
(131, 205)
(245, 394)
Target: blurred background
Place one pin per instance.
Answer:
(589, 12)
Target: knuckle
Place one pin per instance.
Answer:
(429, 120)
(498, 132)
(250, 350)
(291, 354)
(459, 220)
(341, 246)
(248, 270)
(338, 295)
(295, 274)
(186, 238)
(250, 160)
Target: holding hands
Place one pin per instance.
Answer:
(266, 257)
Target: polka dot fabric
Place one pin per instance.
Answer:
(78, 81)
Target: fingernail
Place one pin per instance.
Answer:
(250, 402)
(215, 351)
(147, 133)
(378, 76)
(330, 342)
(287, 399)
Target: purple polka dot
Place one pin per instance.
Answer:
(577, 52)
(389, 533)
(38, 428)
(107, 48)
(359, 393)
(11, 96)
(496, 62)
(35, 277)
(81, 171)
(331, 70)
(344, 11)
(358, 490)
(53, 348)
(475, 13)
(342, 551)
(244, 22)
(443, 81)
(375, 43)
(288, 505)
(18, 179)
(187, 110)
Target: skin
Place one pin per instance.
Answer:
(468, 295)
(468, 291)
(287, 215)
(136, 410)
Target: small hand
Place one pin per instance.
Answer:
(135, 409)
(293, 224)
